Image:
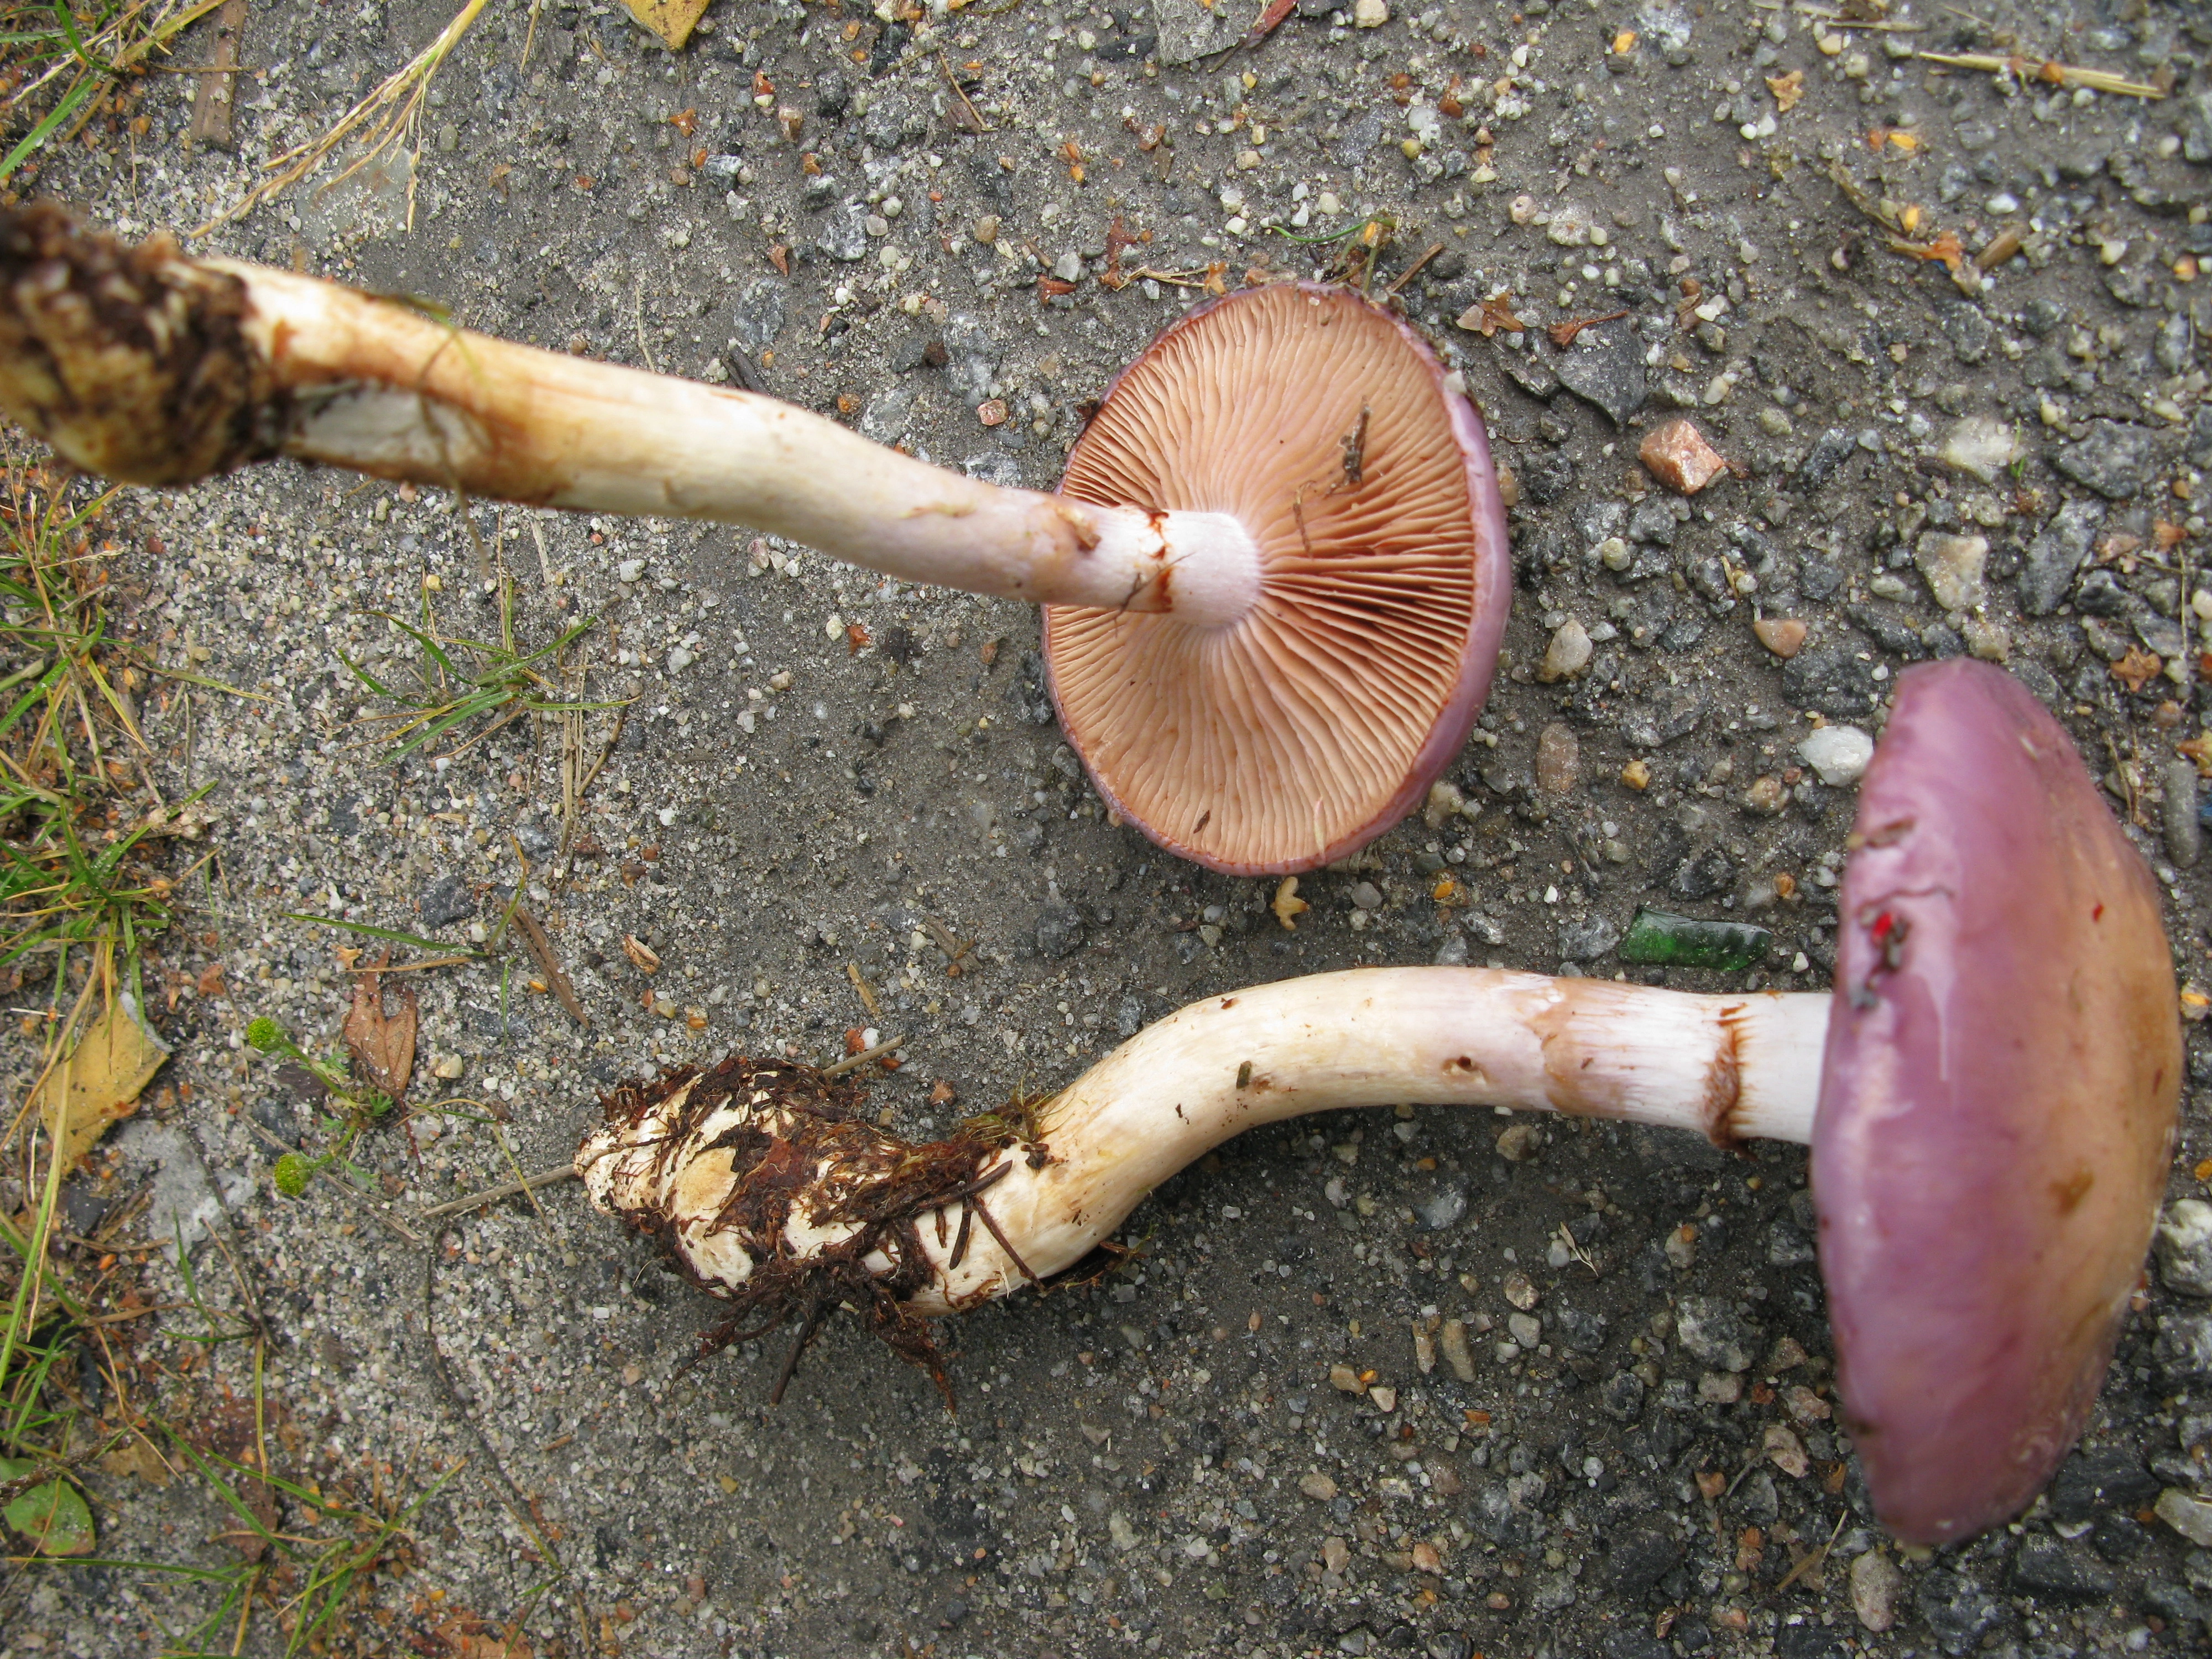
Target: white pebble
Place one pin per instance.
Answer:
(1839, 753)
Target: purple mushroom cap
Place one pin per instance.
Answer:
(1997, 1101)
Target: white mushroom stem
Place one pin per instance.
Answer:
(377, 386)
(1728, 1066)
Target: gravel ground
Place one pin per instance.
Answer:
(1598, 1418)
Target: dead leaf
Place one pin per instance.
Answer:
(383, 1044)
(1563, 334)
(114, 1060)
(640, 954)
(2199, 750)
(136, 1458)
(261, 1502)
(465, 1636)
(2137, 669)
(1492, 314)
(1787, 90)
(672, 20)
(856, 638)
(210, 983)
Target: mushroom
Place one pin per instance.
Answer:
(1988, 1094)
(1275, 576)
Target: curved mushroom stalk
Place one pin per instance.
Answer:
(1276, 566)
(1990, 1098)
(769, 1189)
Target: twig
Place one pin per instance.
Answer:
(507, 1151)
(1812, 1560)
(541, 949)
(493, 1194)
(1412, 270)
(215, 94)
(968, 116)
(867, 992)
(1829, 14)
(853, 1062)
(2050, 70)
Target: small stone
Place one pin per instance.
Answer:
(1520, 1290)
(1605, 367)
(1316, 1485)
(1069, 267)
(1981, 446)
(1715, 1332)
(630, 571)
(1443, 1208)
(1366, 895)
(447, 1067)
(447, 900)
(844, 232)
(1720, 1387)
(680, 658)
(1783, 635)
(1518, 1143)
(1558, 759)
(986, 230)
(2185, 832)
(1676, 454)
(1876, 1584)
(1952, 566)
(1839, 753)
(1059, 930)
(2113, 459)
(1586, 941)
(1525, 1328)
(1370, 14)
(2183, 1246)
(1445, 802)
(1344, 1379)
(2053, 1571)
(2188, 1515)
(992, 411)
(1118, 1530)
(1785, 1451)
(1568, 654)
(1334, 1556)
(1385, 1399)
(2055, 555)
(1452, 1339)
(1637, 775)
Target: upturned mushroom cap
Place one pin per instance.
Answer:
(1998, 1104)
(1289, 737)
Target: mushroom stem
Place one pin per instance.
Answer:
(1727, 1067)
(146, 366)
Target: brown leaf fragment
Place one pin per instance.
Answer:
(541, 948)
(641, 955)
(383, 1044)
(672, 20)
(1492, 315)
(1787, 90)
(1563, 334)
(112, 1062)
(2137, 669)
(210, 983)
(2000, 248)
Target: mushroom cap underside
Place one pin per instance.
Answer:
(1997, 1103)
(1289, 737)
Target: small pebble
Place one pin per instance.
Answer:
(1952, 566)
(2183, 1246)
(1558, 759)
(1783, 635)
(1568, 654)
(1839, 753)
(2188, 1515)
(986, 229)
(2185, 832)
(1981, 446)
(1370, 14)
(630, 570)
(1876, 1585)
(1452, 1339)
(1676, 454)
(1316, 1485)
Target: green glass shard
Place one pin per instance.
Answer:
(1686, 942)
